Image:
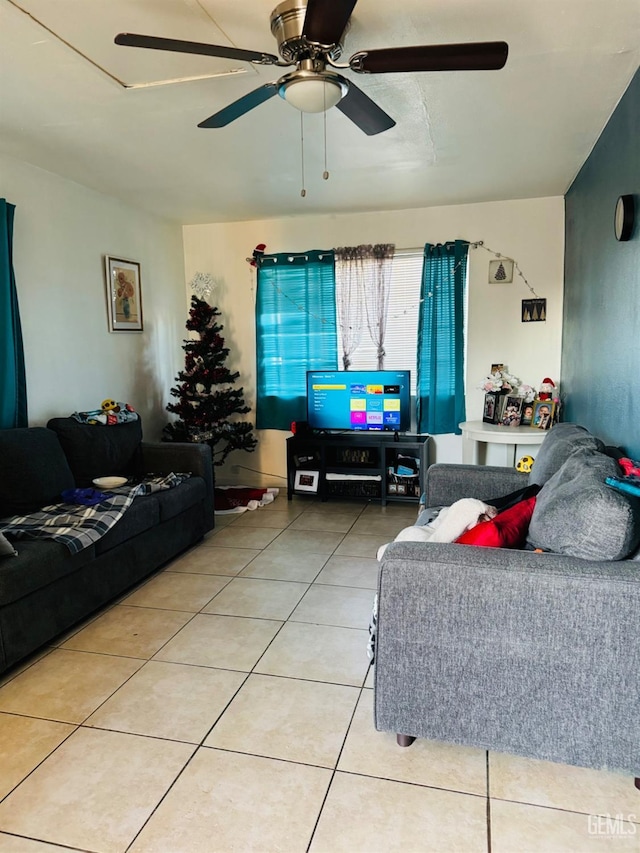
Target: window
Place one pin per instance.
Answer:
(297, 331)
(401, 337)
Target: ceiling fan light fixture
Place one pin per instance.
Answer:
(313, 94)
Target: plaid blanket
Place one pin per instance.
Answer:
(78, 526)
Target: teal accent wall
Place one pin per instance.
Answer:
(600, 372)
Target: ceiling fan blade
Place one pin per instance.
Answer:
(157, 43)
(364, 112)
(241, 106)
(475, 56)
(325, 20)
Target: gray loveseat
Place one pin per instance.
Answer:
(46, 588)
(529, 652)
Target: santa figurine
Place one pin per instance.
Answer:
(547, 389)
(257, 255)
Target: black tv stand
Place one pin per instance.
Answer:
(370, 465)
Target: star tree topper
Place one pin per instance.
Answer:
(202, 284)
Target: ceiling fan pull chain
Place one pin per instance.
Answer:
(303, 192)
(325, 174)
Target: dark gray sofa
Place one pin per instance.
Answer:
(518, 651)
(46, 589)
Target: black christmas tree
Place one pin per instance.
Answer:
(207, 400)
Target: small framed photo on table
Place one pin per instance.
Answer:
(490, 411)
(512, 413)
(124, 295)
(306, 481)
(527, 414)
(543, 414)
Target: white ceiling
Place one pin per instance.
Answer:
(66, 105)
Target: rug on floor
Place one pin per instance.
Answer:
(230, 499)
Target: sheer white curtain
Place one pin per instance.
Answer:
(363, 275)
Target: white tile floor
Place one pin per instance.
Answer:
(226, 705)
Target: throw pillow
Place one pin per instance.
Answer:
(6, 548)
(34, 469)
(559, 444)
(96, 450)
(507, 530)
(577, 514)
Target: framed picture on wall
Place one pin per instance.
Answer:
(501, 271)
(124, 295)
(543, 414)
(534, 310)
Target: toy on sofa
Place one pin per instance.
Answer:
(109, 413)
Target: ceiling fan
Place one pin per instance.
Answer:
(310, 36)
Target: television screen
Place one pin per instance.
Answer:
(359, 400)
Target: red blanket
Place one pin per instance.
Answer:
(241, 498)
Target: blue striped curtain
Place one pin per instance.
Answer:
(295, 331)
(13, 385)
(440, 365)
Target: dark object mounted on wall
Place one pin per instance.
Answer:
(624, 217)
(534, 310)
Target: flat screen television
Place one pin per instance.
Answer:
(359, 400)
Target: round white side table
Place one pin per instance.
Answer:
(477, 433)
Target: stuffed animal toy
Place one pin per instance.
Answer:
(110, 412)
(451, 522)
(547, 389)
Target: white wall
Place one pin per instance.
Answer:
(530, 231)
(62, 231)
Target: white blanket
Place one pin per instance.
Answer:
(451, 522)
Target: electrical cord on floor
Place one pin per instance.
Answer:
(262, 473)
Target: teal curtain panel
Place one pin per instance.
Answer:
(440, 359)
(13, 384)
(296, 331)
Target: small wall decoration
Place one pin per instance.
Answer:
(534, 310)
(306, 481)
(501, 271)
(124, 296)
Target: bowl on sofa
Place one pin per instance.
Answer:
(46, 588)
